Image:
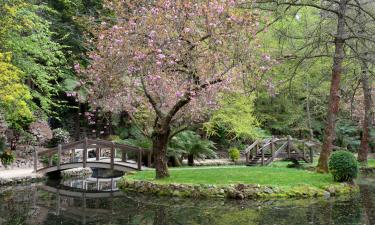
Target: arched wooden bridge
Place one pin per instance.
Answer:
(266, 151)
(99, 160)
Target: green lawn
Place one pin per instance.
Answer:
(371, 162)
(273, 176)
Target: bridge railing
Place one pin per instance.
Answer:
(87, 144)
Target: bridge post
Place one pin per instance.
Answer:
(123, 155)
(50, 162)
(149, 158)
(272, 146)
(303, 150)
(35, 159)
(113, 156)
(139, 159)
(59, 148)
(311, 155)
(73, 156)
(289, 146)
(84, 154)
(263, 156)
(97, 154)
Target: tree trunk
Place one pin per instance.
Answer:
(367, 121)
(191, 160)
(159, 148)
(334, 98)
(367, 203)
(309, 117)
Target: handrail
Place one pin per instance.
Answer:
(248, 149)
(98, 144)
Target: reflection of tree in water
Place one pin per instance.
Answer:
(317, 212)
(368, 201)
(17, 206)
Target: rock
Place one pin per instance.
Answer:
(268, 190)
(326, 195)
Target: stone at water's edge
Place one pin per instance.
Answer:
(234, 191)
(21, 180)
(76, 172)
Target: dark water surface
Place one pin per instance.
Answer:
(56, 204)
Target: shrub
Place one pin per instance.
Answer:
(54, 160)
(343, 166)
(7, 158)
(234, 154)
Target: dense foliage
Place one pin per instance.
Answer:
(343, 166)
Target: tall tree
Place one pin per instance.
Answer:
(344, 15)
(169, 59)
(368, 115)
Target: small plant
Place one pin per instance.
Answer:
(54, 160)
(343, 166)
(7, 158)
(234, 154)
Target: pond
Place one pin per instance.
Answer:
(99, 203)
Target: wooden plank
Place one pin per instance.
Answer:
(50, 162)
(311, 155)
(139, 159)
(303, 150)
(289, 146)
(272, 146)
(112, 156)
(35, 160)
(84, 153)
(123, 156)
(73, 155)
(262, 156)
(59, 156)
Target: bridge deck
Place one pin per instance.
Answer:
(104, 163)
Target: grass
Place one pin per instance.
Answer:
(272, 176)
(371, 162)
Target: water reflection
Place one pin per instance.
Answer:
(44, 204)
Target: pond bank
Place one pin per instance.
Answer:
(18, 176)
(233, 191)
(23, 176)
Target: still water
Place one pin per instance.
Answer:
(99, 203)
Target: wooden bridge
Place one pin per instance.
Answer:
(266, 151)
(105, 156)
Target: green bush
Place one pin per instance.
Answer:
(7, 158)
(343, 166)
(234, 154)
(54, 160)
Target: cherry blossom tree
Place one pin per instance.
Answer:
(169, 60)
